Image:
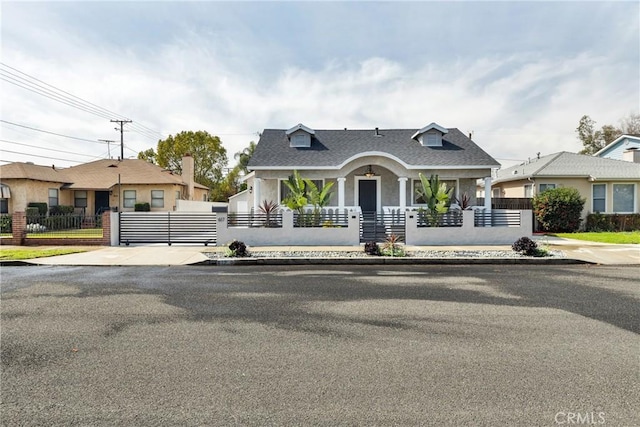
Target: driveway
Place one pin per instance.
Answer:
(348, 345)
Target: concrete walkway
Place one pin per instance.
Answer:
(145, 255)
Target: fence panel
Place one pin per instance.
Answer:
(451, 218)
(64, 226)
(251, 220)
(167, 227)
(507, 218)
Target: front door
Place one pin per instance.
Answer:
(102, 202)
(367, 190)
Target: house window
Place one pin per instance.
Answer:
(53, 197)
(284, 190)
(178, 195)
(599, 201)
(432, 139)
(157, 198)
(80, 199)
(544, 187)
(4, 206)
(528, 191)
(129, 198)
(624, 198)
(417, 191)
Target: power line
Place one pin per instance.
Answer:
(45, 131)
(48, 149)
(57, 94)
(44, 157)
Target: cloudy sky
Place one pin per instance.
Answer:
(518, 75)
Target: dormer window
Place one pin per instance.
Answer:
(431, 135)
(300, 136)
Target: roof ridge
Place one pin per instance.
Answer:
(548, 163)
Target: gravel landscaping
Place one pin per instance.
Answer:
(410, 254)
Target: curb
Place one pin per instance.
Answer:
(389, 261)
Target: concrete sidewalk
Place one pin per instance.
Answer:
(161, 254)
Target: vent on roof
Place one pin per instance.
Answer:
(112, 166)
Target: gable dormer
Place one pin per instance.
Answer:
(430, 135)
(300, 136)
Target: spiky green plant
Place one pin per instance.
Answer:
(318, 198)
(435, 195)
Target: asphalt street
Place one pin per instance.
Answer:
(328, 345)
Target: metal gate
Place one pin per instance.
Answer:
(376, 227)
(167, 227)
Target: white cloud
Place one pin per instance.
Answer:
(517, 103)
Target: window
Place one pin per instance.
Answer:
(301, 140)
(53, 197)
(178, 195)
(599, 201)
(528, 191)
(543, 187)
(4, 206)
(432, 139)
(623, 198)
(157, 198)
(417, 190)
(129, 198)
(80, 199)
(284, 190)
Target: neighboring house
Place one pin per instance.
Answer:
(609, 186)
(372, 169)
(625, 147)
(98, 186)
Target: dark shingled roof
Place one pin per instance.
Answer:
(330, 149)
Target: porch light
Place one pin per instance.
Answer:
(369, 172)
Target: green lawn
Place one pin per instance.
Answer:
(29, 253)
(623, 237)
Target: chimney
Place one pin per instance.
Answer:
(631, 155)
(377, 132)
(188, 170)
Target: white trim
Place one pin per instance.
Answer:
(298, 127)
(356, 190)
(614, 142)
(372, 154)
(428, 127)
(606, 189)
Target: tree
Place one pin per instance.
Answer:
(593, 140)
(207, 151)
(243, 157)
(590, 137)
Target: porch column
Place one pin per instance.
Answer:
(403, 191)
(487, 193)
(256, 194)
(341, 182)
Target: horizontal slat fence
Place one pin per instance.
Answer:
(497, 218)
(167, 227)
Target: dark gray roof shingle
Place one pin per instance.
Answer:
(331, 148)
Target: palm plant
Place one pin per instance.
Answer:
(318, 198)
(297, 198)
(435, 195)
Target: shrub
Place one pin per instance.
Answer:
(559, 209)
(238, 249)
(142, 207)
(42, 208)
(32, 214)
(61, 210)
(391, 246)
(612, 222)
(6, 224)
(371, 248)
(525, 246)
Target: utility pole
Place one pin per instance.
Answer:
(122, 122)
(108, 141)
